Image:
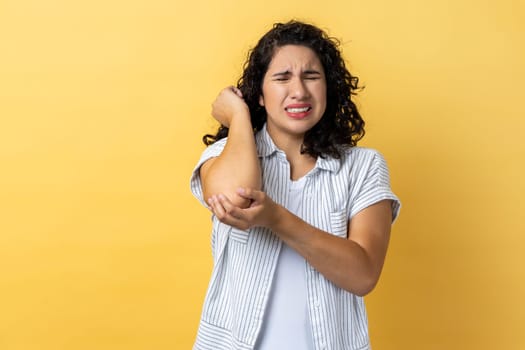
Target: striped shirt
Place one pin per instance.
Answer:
(245, 261)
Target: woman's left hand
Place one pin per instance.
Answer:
(263, 211)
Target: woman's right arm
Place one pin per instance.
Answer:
(238, 164)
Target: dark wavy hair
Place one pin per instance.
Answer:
(341, 126)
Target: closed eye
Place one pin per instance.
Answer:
(311, 75)
(281, 76)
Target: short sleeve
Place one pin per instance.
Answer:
(212, 151)
(372, 185)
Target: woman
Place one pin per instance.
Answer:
(301, 215)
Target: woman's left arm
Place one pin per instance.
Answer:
(352, 263)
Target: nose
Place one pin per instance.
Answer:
(298, 89)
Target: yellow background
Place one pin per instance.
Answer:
(102, 107)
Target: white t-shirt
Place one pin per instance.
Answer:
(286, 323)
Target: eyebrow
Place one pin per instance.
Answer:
(311, 71)
(279, 74)
(287, 72)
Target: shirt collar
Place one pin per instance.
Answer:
(328, 163)
(266, 147)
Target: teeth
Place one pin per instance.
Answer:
(298, 110)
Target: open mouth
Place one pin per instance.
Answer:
(298, 109)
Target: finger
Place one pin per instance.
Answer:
(250, 193)
(216, 207)
(233, 89)
(229, 207)
(223, 208)
(224, 215)
(237, 91)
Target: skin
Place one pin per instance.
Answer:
(295, 77)
(223, 174)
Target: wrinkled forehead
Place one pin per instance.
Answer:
(294, 57)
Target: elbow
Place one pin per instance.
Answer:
(365, 287)
(233, 197)
(239, 201)
(367, 278)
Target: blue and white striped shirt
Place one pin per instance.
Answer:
(245, 261)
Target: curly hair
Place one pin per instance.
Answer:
(341, 125)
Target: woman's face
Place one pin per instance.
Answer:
(293, 93)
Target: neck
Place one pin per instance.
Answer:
(289, 144)
(300, 163)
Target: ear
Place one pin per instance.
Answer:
(261, 101)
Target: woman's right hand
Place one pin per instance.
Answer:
(228, 104)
